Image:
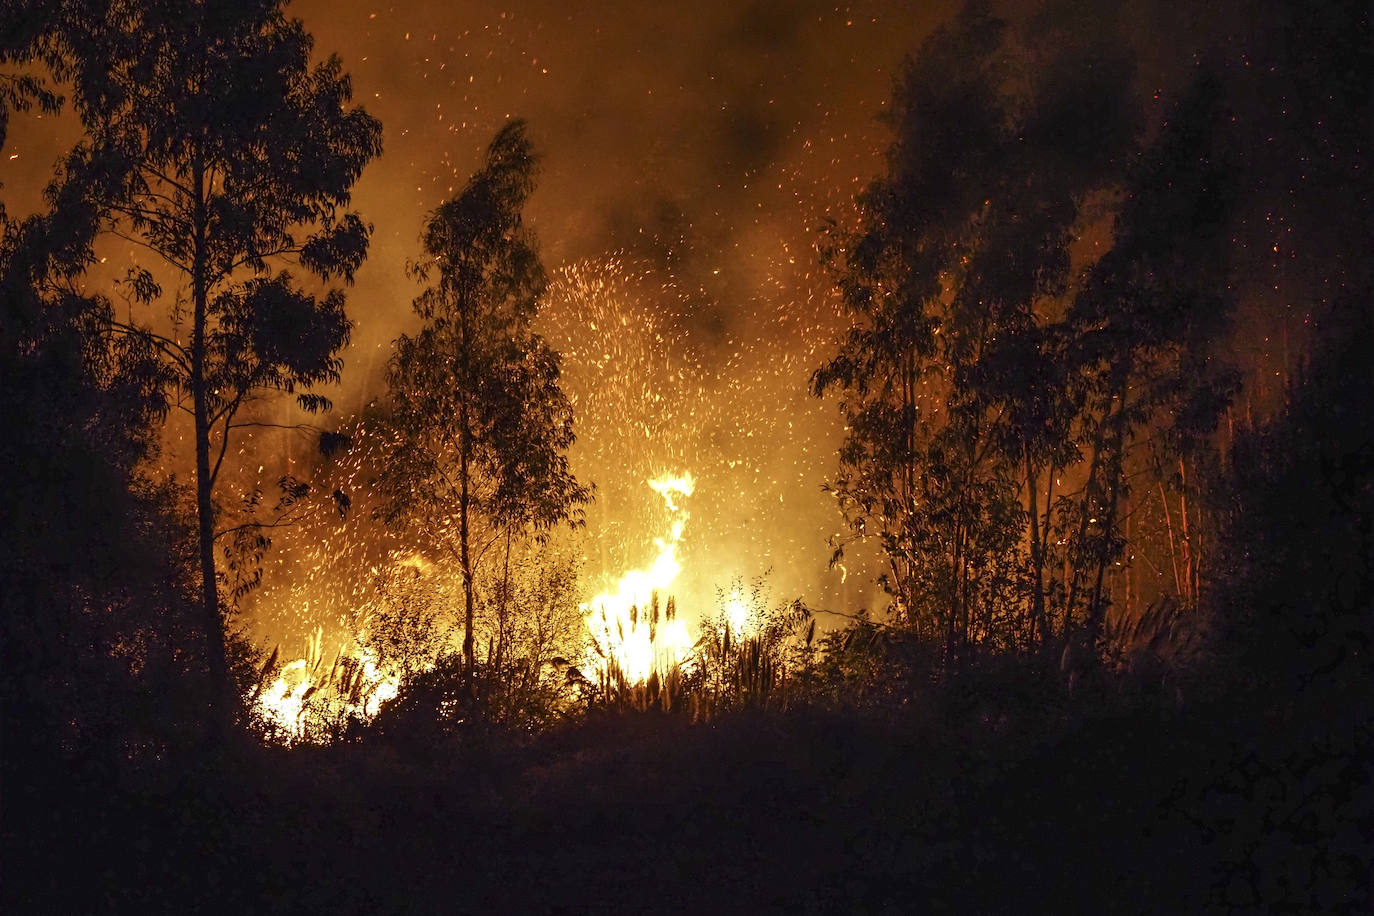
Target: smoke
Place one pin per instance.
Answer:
(669, 132)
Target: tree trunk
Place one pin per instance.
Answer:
(465, 491)
(464, 552)
(1189, 560)
(1037, 556)
(1076, 547)
(952, 623)
(222, 697)
(1129, 575)
(1096, 610)
(502, 615)
(1169, 526)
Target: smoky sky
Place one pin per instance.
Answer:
(676, 133)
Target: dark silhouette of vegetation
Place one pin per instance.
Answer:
(994, 384)
(94, 623)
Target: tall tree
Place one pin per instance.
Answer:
(1142, 335)
(956, 398)
(214, 143)
(480, 424)
(890, 278)
(92, 578)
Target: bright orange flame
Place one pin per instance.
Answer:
(358, 688)
(624, 623)
(736, 613)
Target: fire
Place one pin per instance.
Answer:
(626, 625)
(351, 686)
(736, 612)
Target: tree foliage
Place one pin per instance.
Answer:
(995, 378)
(213, 143)
(97, 665)
(952, 386)
(480, 424)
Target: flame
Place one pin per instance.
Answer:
(353, 686)
(283, 703)
(625, 624)
(736, 612)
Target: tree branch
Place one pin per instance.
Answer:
(227, 413)
(175, 351)
(283, 520)
(117, 233)
(299, 427)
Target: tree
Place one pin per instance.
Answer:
(890, 281)
(479, 423)
(1142, 333)
(214, 143)
(92, 577)
(955, 396)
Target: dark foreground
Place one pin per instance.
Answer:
(1108, 808)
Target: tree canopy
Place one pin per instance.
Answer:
(480, 424)
(214, 143)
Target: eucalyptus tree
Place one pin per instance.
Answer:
(890, 278)
(956, 392)
(479, 424)
(91, 582)
(1144, 329)
(213, 142)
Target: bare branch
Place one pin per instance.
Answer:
(283, 520)
(256, 424)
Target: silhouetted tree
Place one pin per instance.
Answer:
(481, 427)
(1295, 579)
(1144, 331)
(956, 393)
(1290, 586)
(213, 143)
(94, 629)
(890, 280)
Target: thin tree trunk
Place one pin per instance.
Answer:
(1088, 495)
(464, 551)
(966, 639)
(1130, 567)
(903, 570)
(1169, 527)
(1096, 612)
(954, 598)
(1037, 556)
(465, 497)
(1189, 577)
(221, 691)
(503, 616)
(1116, 466)
(1047, 527)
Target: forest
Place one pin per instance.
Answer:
(955, 501)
